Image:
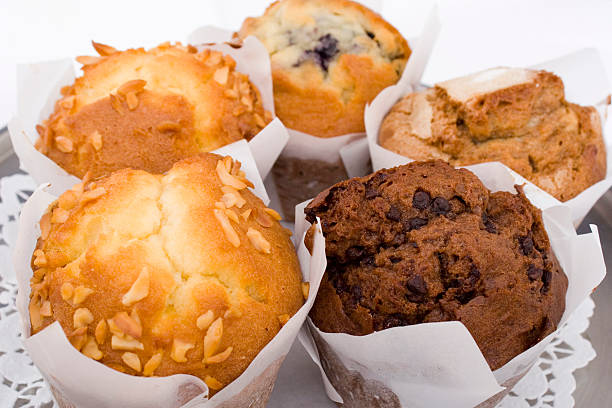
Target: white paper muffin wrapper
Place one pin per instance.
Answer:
(585, 81)
(78, 381)
(439, 364)
(39, 84)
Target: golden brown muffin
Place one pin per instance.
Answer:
(329, 58)
(186, 272)
(425, 242)
(149, 109)
(516, 116)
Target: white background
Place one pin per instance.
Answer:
(476, 34)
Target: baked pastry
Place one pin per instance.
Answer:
(186, 272)
(148, 109)
(425, 242)
(513, 115)
(329, 58)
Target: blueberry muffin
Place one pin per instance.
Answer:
(512, 115)
(155, 275)
(149, 109)
(329, 58)
(425, 243)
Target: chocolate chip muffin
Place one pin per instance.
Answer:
(329, 58)
(425, 243)
(516, 116)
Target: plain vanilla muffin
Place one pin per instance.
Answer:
(155, 275)
(513, 115)
(148, 109)
(329, 58)
(425, 242)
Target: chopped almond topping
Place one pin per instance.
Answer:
(230, 234)
(93, 194)
(305, 289)
(246, 214)
(219, 358)
(68, 200)
(100, 331)
(45, 309)
(273, 213)
(227, 179)
(259, 121)
(131, 360)
(68, 102)
(212, 339)
(116, 104)
(220, 205)
(139, 289)
(103, 49)
(262, 218)
(96, 140)
(82, 317)
(80, 294)
(88, 60)
(205, 320)
(232, 215)
(151, 365)
(212, 383)
(114, 329)
(230, 93)
(232, 197)
(91, 349)
(40, 129)
(67, 290)
(168, 126)
(45, 225)
(132, 100)
(128, 325)
(248, 102)
(78, 340)
(64, 144)
(59, 216)
(258, 241)
(221, 75)
(179, 350)
(125, 343)
(39, 258)
(228, 163)
(133, 86)
(283, 319)
(36, 319)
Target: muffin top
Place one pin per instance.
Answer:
(337, 54)
(186, 272)
(513, 115)
(425, 242)
(148, 109)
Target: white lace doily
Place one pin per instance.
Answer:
(550, 383)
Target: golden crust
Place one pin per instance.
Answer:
(148, 109)
(162, 274)
(326, 102)
(516, 116)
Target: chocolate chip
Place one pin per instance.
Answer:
(354, 253)
(371, 192)
(440, 205)
(398, 239)
(356, 292)
(534, 273)
(415, 223)
(420, 200)
(394, 213)
(472, 278)
(395, 259)
(368, 261)
(526, 244)
(394, 321)
(416, 284)
(488, 224)
(547, 277)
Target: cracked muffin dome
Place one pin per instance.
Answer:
(329, 58)
(512, 115)
(149, 109)
(155, 275)
(425, 243)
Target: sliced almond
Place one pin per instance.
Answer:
(100, 331)
(221, 75)
(259, 121)
(219, 358)
(212, 339)
(227, 179)
(168, 126)
(91, 350)
(245, 214)
(283, 319)
(273, 213)
(128, 325)
(59, 216)
(116, 104)
(45, 225)
(92, 195)
(82, 317)
(230, 93)
(262, 218)
(230, 234)
(96, 140)
(151, 365)
(103, 49)
(248, 102)
(80, 294)
(139, 289)
(64, 144)
(179, 350)
(212, 383)
(258, 241)
(39, 258)
(45, 309)
(67, 290)
(205, 320)
(88, 60)
(132, 100)
(125, 343)
(67, 102)
(232, 196)
(305, 289)
(232, 215)
(131, 360)
(68, 200)
(133, 86)
(79, 340)
(36, 319)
